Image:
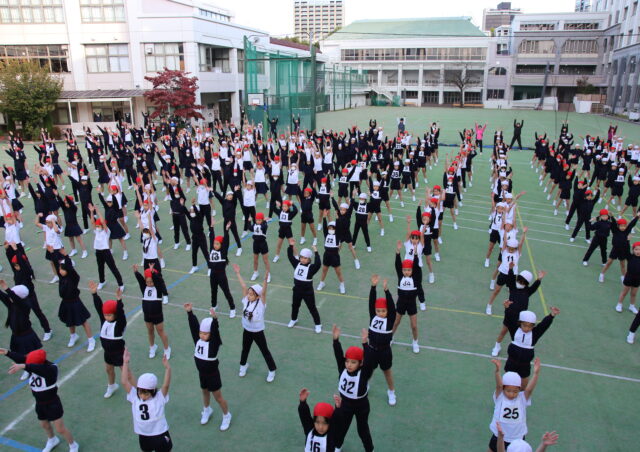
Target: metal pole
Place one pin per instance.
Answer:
(312, 50)
(245, 94)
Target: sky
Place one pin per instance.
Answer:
(276, 16)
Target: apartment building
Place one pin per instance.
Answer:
(501, 16)
(317, 18)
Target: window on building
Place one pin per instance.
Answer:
(214, 59)
(614, 69)
(634, 9)
(531, 46)
(581, 26)
(577, 69)
(53, 57)
(495, 94)
(502, 49)
(60, 115)
(537, 27)
(31, 11)
(452, 97)
(632, 65)
(109, 111)
(102, 10)
(107, 57)
(532, 69)
(213, 15)
(624, 14)
(240, 61)
(473, 97)
(498, 71)
(161, 55)
(411, 94)
(430, 97)
(581, 46)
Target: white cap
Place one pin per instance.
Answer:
(257, 288)
(229, 192)
(332, 224)
(20, 290)
(205, 325)
(109, 198)
(502, 204)
(51, 218)
(406, 160)
(250, 182)
(505, 182)
(362, 196)
(396, 163)
(306, 252)
(527, 316)
(511, 379)
(527, 275)
(383, 173)
(147, 381)
(376, 183)
(512, 243)
(174, 179)
(84, 178)
(636, 178)
(344, 205)
(519, 445)
(508, 196)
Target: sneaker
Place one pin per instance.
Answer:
(276, 258)
(72, 340)
(47, 335)
(84, 254)
(163, 264)
(423, 306)
(496, 349)
(75, 447)
(455, 226)
(239, 252)
(51, 444)
(321, 285)
(254, 276)
(381, 232)
(91, 346)
(244, 234)
(243, 370)
(302, 240)
(488, 310)
(319, 228)
(269, 277)
(292, 323)
(54, 280)
(633, 309)
(492, 284)
(125, 255)
(73, 252)
(226, 421)
(342, 288)
(110, 390)
(271, 376)
(437, 256)
(415, 347)
(413, 198)
(205, 415)
(601, 277)
(585, 263)
(391, 396)
(356, 262)
(24, 375)
(165, 299)
(432, 278)
(401, 203)
(176, 246)
(232, 313)
(193, 270)
(555, 211)
(440, 240)
(566, 227)
(318, 329)
(85, 231)
(391, 218)
(588, 241)
(368, 249)
(486, 263)
(572, 239)
(315, 241)
(456, 211)
(127, 236)
(630, 337)
(152, 351)
(188, 247)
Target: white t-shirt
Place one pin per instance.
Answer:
(408, 251)
(512, 415)
(101, 240)
(148, 415)
(255, 309)
(12, 232)
(507, 258)
(51, 237)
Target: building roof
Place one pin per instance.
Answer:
(407, 28)
(288, 43)
(101, 93)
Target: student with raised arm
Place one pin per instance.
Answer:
(520, 445)
(147, 406)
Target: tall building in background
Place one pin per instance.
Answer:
(317, 17)
(583, 6)
(501, 16)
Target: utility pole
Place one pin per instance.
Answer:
(312, 50)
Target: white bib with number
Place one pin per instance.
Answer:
(348, 385)
(202, 351)
(330, 241)
(406, 283)
(150, 293)
(315, 443)
(38, 383)
(301, 272)
(215, 256)
(522, 339)
(108, 331)
(361, 209)
(379, 325)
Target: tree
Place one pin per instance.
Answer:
(584, 87)
(28, 93)
(174, 94)
(461, 79)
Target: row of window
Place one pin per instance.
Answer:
(51, 11)
(115, 57)
(216, 16)
(552, 26)
(570, 46)
(415, 54)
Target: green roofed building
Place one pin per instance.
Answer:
(419, 61)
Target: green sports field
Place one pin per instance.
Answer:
(589, 387)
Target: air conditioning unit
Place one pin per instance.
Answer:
(148, 50)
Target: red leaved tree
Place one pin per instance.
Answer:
(174, 94)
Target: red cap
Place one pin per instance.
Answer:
(8, 215)
(287, 203)
(353, 162)
(98, 222)
(219, 239)
(215, 154)
(14, 259)
(148, 273)
(381, 303)
(110, 306)
(323, 180)
(415, 232)
(308, 190)
(426, 214)
(435, 200)
(356, 353)
(451, 169)
(345, 171)
(36, 357)
(604, 212)
(259, 216)
(277, 158)
(588, 192)
(323, 409)
(622, 221)
(407, 263)
(203, 181)
(635, 244)
(437, 187)
(139, 179)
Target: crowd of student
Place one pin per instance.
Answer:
(351, 178)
